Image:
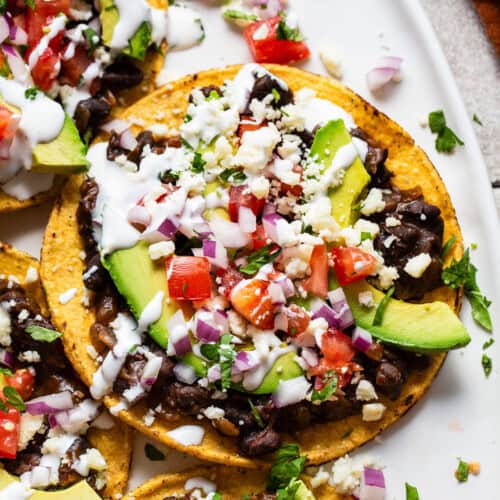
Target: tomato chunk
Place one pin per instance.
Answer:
(240, 197)
(72, 69)
(298, 320)
(188, 278)
(41, 15)
(270, 49)
(259, 237)
(8, 124)
(352, 264)
(9, 432)
(23, 382)
(251, 300)
(247, 124)
(337, 347)
(317, 282)
(46, 69)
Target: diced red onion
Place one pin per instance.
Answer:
(51, 403)
(206, 332)
(243, 362)
(276, 294)
(16, 63)
(372, 485)
(165, 231)
(267, 8)
(310, 356)
(219, 260)
(341, 308)
(229, 234)
(269, 208)
(209, 248)
(182, 346)
(139, 215)
(361, 339)
(291, 391)
(116, 125)
(151, 370)
(221, 319)
(281, 322)
(4, 29)
(185, 373)
(7, 358)
(74, 420)
(178, 334)
(270, 223)
(213, 373)
(127, 140)
(387, 69)
(16, 34)
(286, 284)
(305, 339)
(328, 314)
(247, 219)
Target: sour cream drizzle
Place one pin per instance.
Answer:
(184, 27)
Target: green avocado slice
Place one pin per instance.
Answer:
(64, 155)
(79, 491)
(344, 198)
(138, 278)
(424, 328)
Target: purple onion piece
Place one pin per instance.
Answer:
(182, 346)
(209, 248)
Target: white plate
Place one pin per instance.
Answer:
(460, 415)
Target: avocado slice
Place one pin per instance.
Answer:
(140, 41)
(64, 155)
(138, 278)
(303, 492)
(425, 328)
(79, 491)
(344, 198)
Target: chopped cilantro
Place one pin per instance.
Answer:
(31, 93)
(446, 139)
(379, 313)
(287, 466)
(473, 246)
(365, 236)
(226, 358)
(328, 389)
(213, 95)
(256, 260)
(276, 94)
(153, 453)
(346, 434)
(447, 247)
(169, 177)
(488, 343)
(198, 163)
(216, 496)
(476, 119)
(285, 32)
(186, 143)
(187, 118)
(463, 273)
(42, 334)
(233, 176)
(234, 14)
(288, 493)
(90, 37)
(462, 472)
(411, 492)
(487, 363)
(30, 4)
(13, 398)
(3, 5)
(210, 351)
(256, 414)
(5, 371)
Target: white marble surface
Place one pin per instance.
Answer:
(476, 68)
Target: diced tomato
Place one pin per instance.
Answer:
(41, 15)
(337, 347)
(252, 301)
(272, 50)
(8, 125)
(293, 190)
(9, 433)
(352, 264)
(298, 320)
(72, 69)
(259, 237)
(317, 282)
(23, 382)
(229, 279)
(247, 124)
(240, 197)
(46, 69)
(322, 369)
(188, 278)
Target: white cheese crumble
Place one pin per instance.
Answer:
(372, 412)
(365, 391)
(417, 265)
(373, 203)
(29, 357)
(29, 426)
(331, 61)
(392, 221)
(161, 249)
(213, 413)
(68, 295)
(31, 275)
(365, 299)
(259, 187)
(386, 276)
(5, 327)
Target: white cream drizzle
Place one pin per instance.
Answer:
(184, 27)
(188, 435)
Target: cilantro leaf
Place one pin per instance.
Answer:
(462, 472)
(5, 371)
(210, 351)
(226, 358)
(446, 139)
(198, 163)
(289, 492)
(447, 247)
(365, 235)
(30, 4)
(476, 119)
(411, 492)
(256, 414)
(90, 37)
(487, 363)
(13, 398)
(153, 453)
(285, 32)
(259, 258)
(276, 95)
(463, 273)
(328, 389)
(216, 496)
(233, 176)
(379, 313)
(42, 334)
(488, 343)
(31, 93)
(287, 466)
(213, 95)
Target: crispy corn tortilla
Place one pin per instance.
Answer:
(151, 66)
(62, 268)
(114, 444)
(232, 484)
